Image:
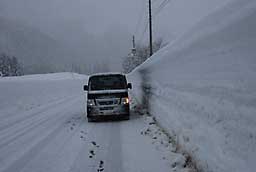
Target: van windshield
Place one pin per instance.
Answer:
(107, 82)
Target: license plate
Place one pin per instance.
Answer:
(106, 108)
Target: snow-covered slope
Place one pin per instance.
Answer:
(203, 86)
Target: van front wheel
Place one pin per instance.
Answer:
(126, 117)
(89, 119)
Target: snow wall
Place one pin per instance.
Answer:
(202, 88)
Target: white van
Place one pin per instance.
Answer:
(107, 97)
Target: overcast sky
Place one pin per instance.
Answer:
(97, 16)
(101, 18)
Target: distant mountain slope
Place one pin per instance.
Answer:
(37, 51)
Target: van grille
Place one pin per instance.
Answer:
(103, 102)
(106, 102)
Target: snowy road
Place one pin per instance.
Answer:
(55, 136)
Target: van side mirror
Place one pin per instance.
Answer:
(129, 85)
(85, 87)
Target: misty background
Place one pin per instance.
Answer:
(89, 36)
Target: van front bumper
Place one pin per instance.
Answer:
(110, 111)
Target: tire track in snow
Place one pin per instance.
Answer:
(60, 153)
(113, 157)
(106, 143)
(29, 124)
(11, 112)
(32, 142)
(5, 124)
(82, 162)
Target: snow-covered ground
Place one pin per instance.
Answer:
(202, 88)
(43, 128)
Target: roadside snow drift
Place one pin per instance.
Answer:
(202, 88)
(19, 93)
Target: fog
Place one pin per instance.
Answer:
(101, 31)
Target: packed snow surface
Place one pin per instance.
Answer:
(43, 127)
(202, 88)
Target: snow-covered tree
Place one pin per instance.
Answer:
(141, 54)
(9, 66)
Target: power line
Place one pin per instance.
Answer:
(141, 15)
(143, 33)
(156, 4)
(145, 28)
(145, 25)
(161, 7)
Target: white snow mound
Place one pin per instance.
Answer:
(203, 88)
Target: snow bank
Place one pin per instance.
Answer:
(50, 76)
(26, 92)
(202, 87)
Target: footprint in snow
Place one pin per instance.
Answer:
(152, 123)
(95, 144)
(82, 135)
(101, 166)
(91, 154)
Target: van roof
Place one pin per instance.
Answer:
(107, 73)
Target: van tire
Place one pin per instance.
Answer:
(126, 117)
(90, 119)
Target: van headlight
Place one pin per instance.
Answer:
(90, 102)
(125, 101)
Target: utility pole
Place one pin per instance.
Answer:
(133, 46)
(150, 29)
(133, 42)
